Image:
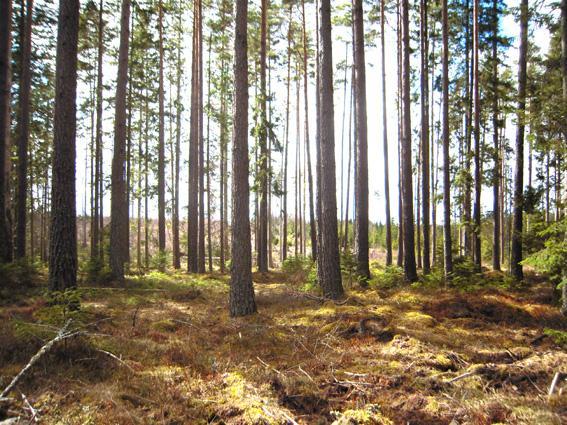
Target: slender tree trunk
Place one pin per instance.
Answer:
(175, 214)
(385, 136)
(447, 243)
(96, 248)
(495, 140)
(469, 77)
(161, 142)
(516, 250)
(63, 234)
(208, 169)
(223, 176)
(407, 191)
(5, 90)
(286, 140)
(349, 162)
(425, 134)
(193, 210)
(361, 173)
(312, 226)
(564, 80)
(201, 256)
(477, 159)
(400, 259)
(241, 289)
(119, 205)
(263, 142)
(328, 262)
(24, 131)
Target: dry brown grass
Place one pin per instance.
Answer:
(187, 362)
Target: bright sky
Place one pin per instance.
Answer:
(374, 110)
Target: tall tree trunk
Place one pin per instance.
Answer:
(477, 159)
(193, 210)
(361, 173)
(328, 262)
(495, 140)
(208, 167)
(312, 226)
(5, 90)
(407, 190)
(385, 136)
(400, 259)
(425, 134)
(284, 244)
(175, 214)
(119, 205)
(564, 80)
(516, 250)
(96, 247)
(161, 142)
(263, 142)
(24, 132)
(223, 175)
(63, 234)
(201, 256)
(349, 162)
(469, 77)
(447, 243)
(241, 289)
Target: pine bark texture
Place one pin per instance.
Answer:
(447, 243)
(119, 224)
(63, 232)
(385, 135)
(328, 261)
(5, 90)
(407, 190)
(516, 249)
(425, 135)
(241, 300)
(361, 171)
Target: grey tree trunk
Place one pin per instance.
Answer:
(161, 142)
(5, 90)
(63, 231)
(361, 173)
(476, 130)
(241, 289)
(407, 191)
(119, 221)
(516, 249)
(496, 158)
(24, 132)
(385, 136)
(328, 262)
(425, 135)
(447, 243)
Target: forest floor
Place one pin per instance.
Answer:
(162, 349)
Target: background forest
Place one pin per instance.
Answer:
(374, 191)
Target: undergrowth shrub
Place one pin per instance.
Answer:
(387, 278)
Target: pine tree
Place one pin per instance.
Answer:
(241, 289)
(63, 231)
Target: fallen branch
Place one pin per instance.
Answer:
(463, 376)
(554, 382)
(34, 413)
(61, 335)
(268, 366)
(118, 359)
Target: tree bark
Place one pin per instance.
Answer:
(284, 244)
(119, 225)
(363, 268)
(495, 141)
(241, 289)
(425, 135)
(24, 132)
(447, 243)
(407, 191)
(516, 250)
(385, 135)
(5, 90)
(175, 214)
(328, 262)
(63, 234)
(263, 166)
(477, 160)
(161, 142)
(193, 210)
